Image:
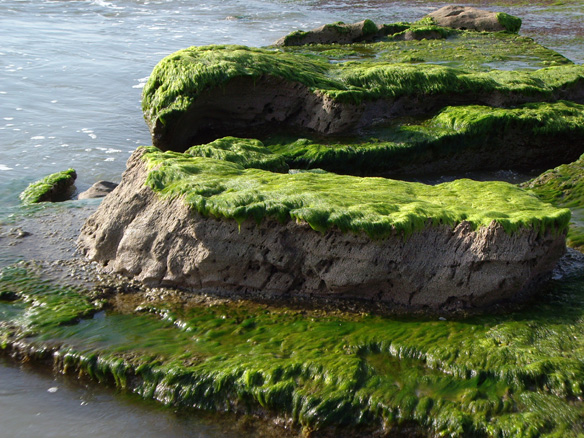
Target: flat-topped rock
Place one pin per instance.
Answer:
(202, 223)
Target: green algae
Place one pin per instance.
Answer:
(518, 374)
(49, 187)
(249, 153)
(45, 303)
(563, 186)
(462, 49)
(376, 206)
(178, 80)
(453, 131)
(509, 22)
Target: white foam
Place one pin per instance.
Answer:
(38, 137)
(4, 167)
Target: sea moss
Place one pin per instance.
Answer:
(54, 187)
(376, 206)
(509, 22)
(462, 49)
(249, 153)
(455, 131)
(178, 80)
(564, 187)
(495, 375)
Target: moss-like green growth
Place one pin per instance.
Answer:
(177, 81)
(519, 374)
(248, 153)
(477, 51)
(44, 303)
(546, 132)
(564, 186)
(376, 206)
(509, 22)
(55, 187)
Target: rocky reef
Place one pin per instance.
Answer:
(249, 216)
(296, 213)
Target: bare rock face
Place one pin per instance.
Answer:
(469, 18)
(162, 242)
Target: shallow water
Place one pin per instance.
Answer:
(71, 74)
(37, 403)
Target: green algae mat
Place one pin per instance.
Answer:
(378, 207)
(519, 374)
(563, 186)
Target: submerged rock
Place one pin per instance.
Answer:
(53, 188)
(467, 17)
(146, 231)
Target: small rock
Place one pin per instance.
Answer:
(98, 190)
(469, 18)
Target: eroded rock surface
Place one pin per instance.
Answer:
(163, 242)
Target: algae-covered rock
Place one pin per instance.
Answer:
(203, 93)
(330, 373)
(563, 186)
(467, 17)
(213, 225)
(53, 188)
(336, 33)
(461, 139)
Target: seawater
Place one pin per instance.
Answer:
(71, 76)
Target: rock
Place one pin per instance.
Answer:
(220, 91)
(53, 188)
(336, 33)
(98, 190)
(467, 17)
(162, 241)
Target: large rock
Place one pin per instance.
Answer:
(204, 93)
(162, 241)
(467, 17)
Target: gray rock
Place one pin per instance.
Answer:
(98, 190)
(159, 241)
(469, 18)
